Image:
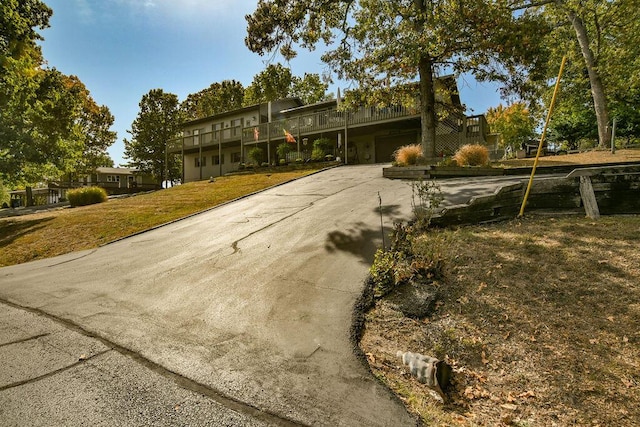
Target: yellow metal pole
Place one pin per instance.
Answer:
(544, 132)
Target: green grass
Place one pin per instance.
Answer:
(43, 235)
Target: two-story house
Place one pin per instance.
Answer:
(218, 144)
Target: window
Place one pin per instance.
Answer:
(204, 162)
(217, 160)
(113, 178)
(235, 157)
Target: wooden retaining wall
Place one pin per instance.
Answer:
(617, 191)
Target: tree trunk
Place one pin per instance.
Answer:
(597, 89)
(428, 109)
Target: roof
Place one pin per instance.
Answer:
(115, 171)
(238, 111)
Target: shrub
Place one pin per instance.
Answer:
(408, 155)
(282, 150)
(321, 147)
(472, 155)
(86, 196)
(255, 154)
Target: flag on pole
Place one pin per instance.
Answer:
(288, 137)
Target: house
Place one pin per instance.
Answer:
(120, 180)
(215, 145)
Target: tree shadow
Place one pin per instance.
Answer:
(361, 240)
(11, 230)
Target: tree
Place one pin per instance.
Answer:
(20, 78)
(383, 44)
(514, 123)
(601, 40)
(271, 84)
(217, 98)
(49, 124)
(157, 123)
(310, 88)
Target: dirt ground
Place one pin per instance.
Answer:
(539, 318)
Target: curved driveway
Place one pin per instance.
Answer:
(252, 300)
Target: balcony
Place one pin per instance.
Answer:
(305, 124)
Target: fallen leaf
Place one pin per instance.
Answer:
(82, 357)
(527, 394)
(484, 358)
(610, 318)
(509, 406)
(593, 341)
(482, 286)
(506, 336)
(371, 358)
(625, 339)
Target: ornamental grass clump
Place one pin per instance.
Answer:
(86, 196)
(472, 155)
(408, 155)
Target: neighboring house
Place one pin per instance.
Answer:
(120, 180)
(218, 144)
(113, 180)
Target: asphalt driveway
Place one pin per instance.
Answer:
(249, 303)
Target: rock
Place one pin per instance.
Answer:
(415, 300)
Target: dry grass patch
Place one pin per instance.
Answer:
(47, 234)
(587, 157)
(540, 318)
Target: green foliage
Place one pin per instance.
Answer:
(321, 147)
(514, 123)
(472, 155)
(310, 88)
(426, 198)
(408, 155)
(269, 85)
(413, 257)
(386, 272)
(217, 98)
(381, 43)
(282, 150)
(49, 125)
(86, 196)
(157, 123)
(256, 154)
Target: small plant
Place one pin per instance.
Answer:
(87, 196)
(408, 155)
(386, 271)
(448, 161)
(282, 162)
(282, 150)
(426, 198)
(472, 155)
(256, 154)
(299, 160)
(321, 147)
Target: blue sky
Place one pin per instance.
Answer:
(121, 49)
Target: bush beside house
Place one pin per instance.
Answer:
(86, 196)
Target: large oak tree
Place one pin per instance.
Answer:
(383, 44)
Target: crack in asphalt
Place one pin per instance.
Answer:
(234, 245)
(52, 373)
(178, 379)
(35, 337)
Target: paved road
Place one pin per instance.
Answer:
(239, 315)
